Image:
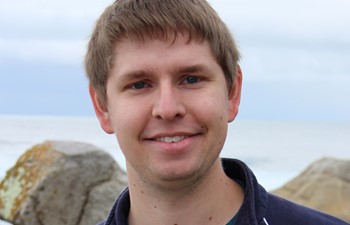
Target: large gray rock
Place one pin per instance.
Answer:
(324, 185)
(61, 183)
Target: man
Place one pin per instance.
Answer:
(164, 77)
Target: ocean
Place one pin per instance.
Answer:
(276, 151)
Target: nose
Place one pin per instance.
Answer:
(168, 103)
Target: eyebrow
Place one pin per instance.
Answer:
(134, 74)
(141, 73)
(193, 69)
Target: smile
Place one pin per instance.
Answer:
(171, 139)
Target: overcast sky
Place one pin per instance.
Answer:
(295, 61)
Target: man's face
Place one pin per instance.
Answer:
(169, 106)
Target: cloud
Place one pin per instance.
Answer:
(291, 40)
(59, 51)
(296, 18)
(46, 31)
(286, 64)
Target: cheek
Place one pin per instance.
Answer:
(127, 134)
(216, 116)
(212, 111)
(126, 122)
(216, 105)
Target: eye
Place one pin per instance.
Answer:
(191, 80)
(139, 85)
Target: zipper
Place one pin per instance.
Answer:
(263, 222)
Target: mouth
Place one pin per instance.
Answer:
(173, 139)
(174, 136)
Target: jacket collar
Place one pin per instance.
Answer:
(255, 202)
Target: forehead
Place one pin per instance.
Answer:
(176, 42)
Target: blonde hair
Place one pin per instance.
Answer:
(141, 19)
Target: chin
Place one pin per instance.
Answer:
(175, 178)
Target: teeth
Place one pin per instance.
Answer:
(171, 139)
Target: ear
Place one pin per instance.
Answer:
(235, 95)
(101, 111)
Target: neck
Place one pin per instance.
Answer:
(214, 199)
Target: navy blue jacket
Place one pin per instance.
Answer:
(259, 207)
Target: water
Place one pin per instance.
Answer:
(275, 151)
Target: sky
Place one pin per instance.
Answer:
(295, 62)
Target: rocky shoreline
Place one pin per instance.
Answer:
(61, 183)
(324, 185)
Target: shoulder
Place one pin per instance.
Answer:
(282, 211)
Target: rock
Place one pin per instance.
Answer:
(324, 185)
(61, 183)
